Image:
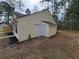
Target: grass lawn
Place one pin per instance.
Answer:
(2, 34)
(65, 45)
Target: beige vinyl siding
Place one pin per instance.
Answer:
(26, 28)
(52, 30)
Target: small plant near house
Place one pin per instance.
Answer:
(29, 37)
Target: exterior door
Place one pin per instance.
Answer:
(42, 29)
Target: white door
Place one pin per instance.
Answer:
(42, 29)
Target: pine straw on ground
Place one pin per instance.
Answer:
(65, 45)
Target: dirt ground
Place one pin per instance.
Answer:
(65, 45)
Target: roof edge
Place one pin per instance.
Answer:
(34, 13)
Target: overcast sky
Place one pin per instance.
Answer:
(31, 4)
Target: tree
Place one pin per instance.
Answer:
(35, 9)
(11, 2)
(47, 3)
(63, 2)
(55, 7)
(5, 7)
(21, 5)
(72, 15)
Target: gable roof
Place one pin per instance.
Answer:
(32, 14)
(43, 11)
(18, 15)
(48, 22)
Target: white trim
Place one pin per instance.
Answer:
(7, 36)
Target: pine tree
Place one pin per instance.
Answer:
(5, 7)
(72, 15)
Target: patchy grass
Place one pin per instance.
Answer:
(56, 53)
(65, 45)
(2, 34)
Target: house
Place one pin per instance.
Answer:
(37, 24)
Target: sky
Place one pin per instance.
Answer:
(31, 4)
(40, 6)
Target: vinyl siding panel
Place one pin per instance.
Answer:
(52, 30)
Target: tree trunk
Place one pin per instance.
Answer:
(8, 18)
